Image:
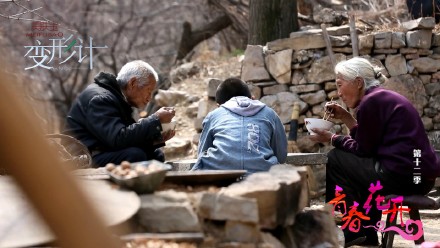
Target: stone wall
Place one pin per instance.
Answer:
(257, 212)
(298, 69)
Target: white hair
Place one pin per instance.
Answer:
(360, 67)
(137, 68)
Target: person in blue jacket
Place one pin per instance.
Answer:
(242, 134)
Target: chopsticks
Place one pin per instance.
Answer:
(327, 114)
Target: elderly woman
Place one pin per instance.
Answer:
(387, 143)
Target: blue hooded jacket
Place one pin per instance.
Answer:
(242, 134)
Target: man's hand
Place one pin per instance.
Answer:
(321, 135)
(168, 135)
(165, 114)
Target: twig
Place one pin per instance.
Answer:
(28, 11)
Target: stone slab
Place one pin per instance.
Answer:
(306, 158)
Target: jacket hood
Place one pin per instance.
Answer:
(108, 81)
(243, 106)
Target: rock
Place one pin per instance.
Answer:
(426, 79)
(264, 188)
(333, 94)
(382, 40)
(334, 31)
(425, 52)
(305, 88)
(434, 102)
(273, 90)
(425, 65)
(419, 39)
(427, 123)
(176, 147)
(297, 77)
(432, 89)
(385, 51)
(318, 109)
(436, 40)
(346, 50)
(279, 65)
(168, 98)
(421, 23)
(306, 145)
(191, 110)
(306, 41)
(327, 15)
(253, 68)
(434, 137)
(167, 212)
(330, 86)
(282, 103)
(314, 98)
(366, 43)
(396, 65)
(271, 190)
(407, 85)
(198, 124)
(398, 40)
(242, 232)
(218, 207)
(407, 50)
(322, 69)
(213, 83)
(235, 245)
(315, 228)
(255, 91)
(205, 106)
(184, 71)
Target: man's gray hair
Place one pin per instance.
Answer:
(137, 68)
(360, 67)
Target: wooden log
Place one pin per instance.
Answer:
(328, 44)
(354, 37)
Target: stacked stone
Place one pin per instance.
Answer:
(297, 69)
(240, 215)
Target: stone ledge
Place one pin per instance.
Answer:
(306, 158)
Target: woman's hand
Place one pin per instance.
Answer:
(338, 112)
(321, 135)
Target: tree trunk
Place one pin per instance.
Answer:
(271, 20)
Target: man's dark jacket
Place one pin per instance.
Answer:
(101, 119)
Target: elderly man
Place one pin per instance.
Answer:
(101, 117)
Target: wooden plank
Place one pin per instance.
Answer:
(328, 45)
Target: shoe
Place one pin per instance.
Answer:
(352, 238)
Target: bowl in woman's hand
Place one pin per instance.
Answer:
(312, 123)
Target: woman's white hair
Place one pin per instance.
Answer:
(360, 67)
(137, 68)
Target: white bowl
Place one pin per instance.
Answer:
(168, 126)
(312, 123)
